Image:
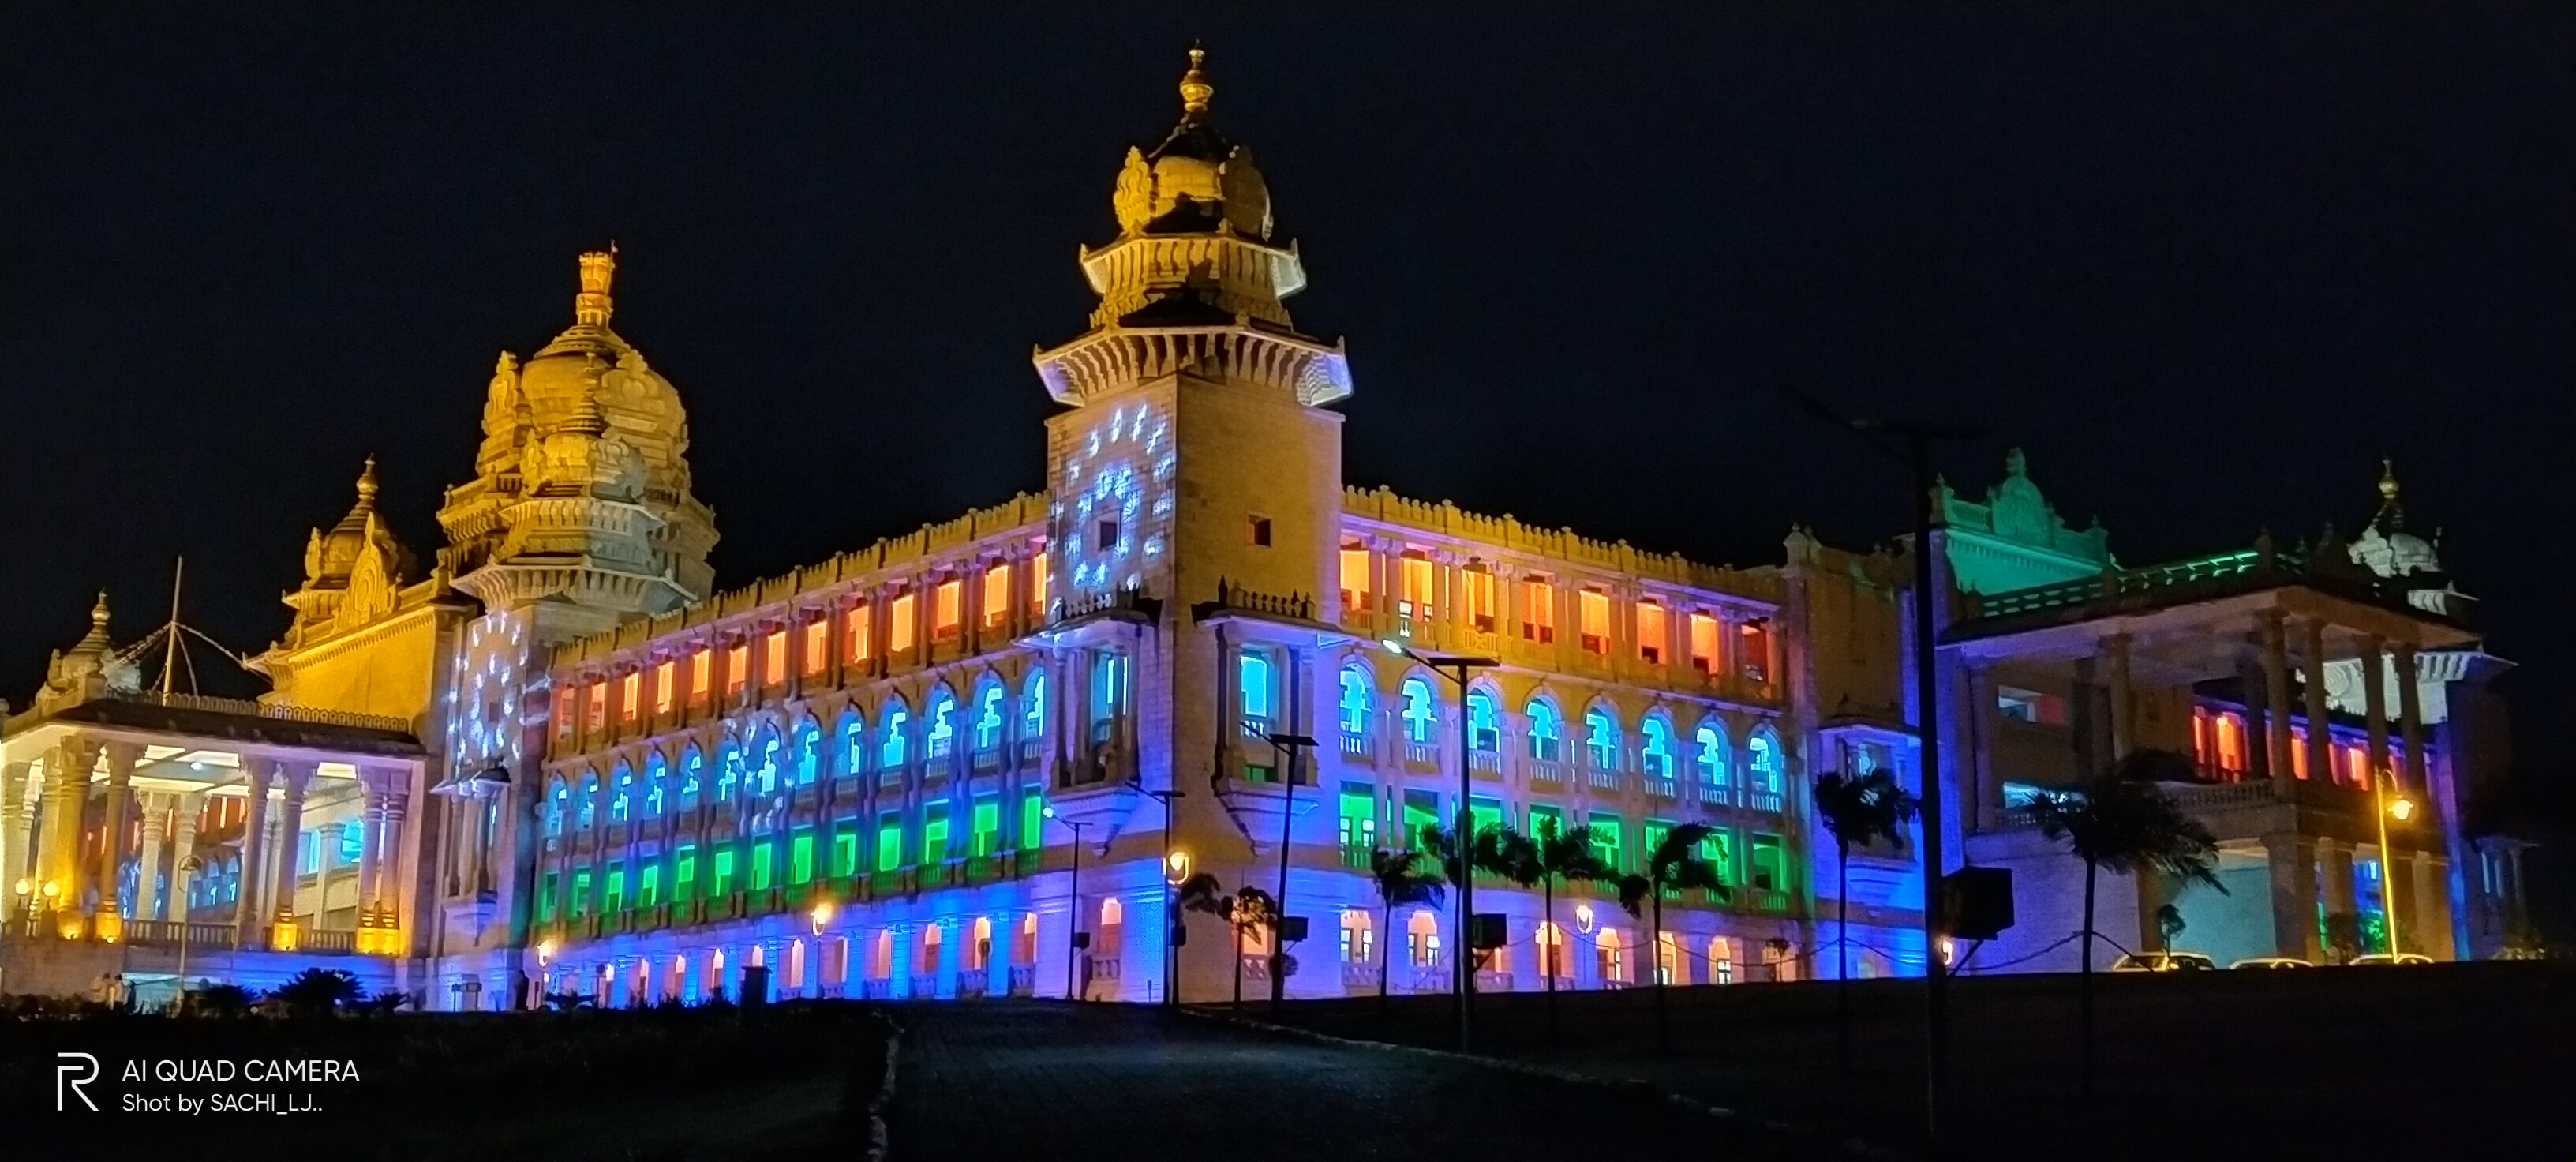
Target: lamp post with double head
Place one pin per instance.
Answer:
(1460, 670)
(1287, 745)
(1073, 941)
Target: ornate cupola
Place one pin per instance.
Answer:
(581, 491)
(355, 570)
(2386, 548)
(1195, 277)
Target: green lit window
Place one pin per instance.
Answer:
(1656, 830)
(684, 874)
(616, 891)
(934, 834)
(722, 882)
(648, 886)
(1359, 816)
(1421, 809)
(1483, 813)
(800, 858)
(1717, 849)
(581, 892)
(546, 900)
(1605, 841)
(845, 853)
(761, 860)
(1545, 819)
(988, 826)
(889, 843)
(1032, 823)
(1770, 869)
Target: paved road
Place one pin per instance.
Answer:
(1049, 1080)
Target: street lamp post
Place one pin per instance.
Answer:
(2401, 809)
(1175, 869)
(1287, 745)
(189, 865)
(1460, 670)
(819, 919)
(1073, 901)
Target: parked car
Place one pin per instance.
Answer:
(2399, 958)
(2164, 962)
(2271, 962)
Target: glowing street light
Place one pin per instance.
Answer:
(2400, 809)
(1460, 670)
(821, 916)
(1175, 869)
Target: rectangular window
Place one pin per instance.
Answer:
(934, 834)
(721, 883)
(1483, 813)
(1258, 532)
(1538, 611)
(308, 853)
(684, 874)
(855, 642)
(1480, 598)
(1421, 809)
(1769, 870)
(2030, 706)
(701, 675)
(773, 658)
(988, 826)
(997, 596)
(1107, 535)
(648, 887)
(1593, 616)
(763, 853)
(546, 898)
(1753, 645)
(353, 842)
(580, 892)
(1417, 586)
(2019, 795)
(630, 695)
(567, 710)
(737, 669)
(889, 842)
(1544, 819)
(614, 895)
(845, 851)
(595, 696)
(663, 675)
(948, 604)
(1355, 578)
(818, 645)
(1650, 632)
(1606, 840)
(899, 624)
(1038, 583)
(1032, 822)
(1359, 817)
(800, 857)
(1703, 643)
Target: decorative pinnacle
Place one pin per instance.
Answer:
(2387, 480)
(1195, 89)
(98, 613)
(367, 484)
(598, 268)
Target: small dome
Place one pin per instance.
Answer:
(2384, 546)
(333, 556)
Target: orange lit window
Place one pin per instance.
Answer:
(2299, 752)
(701, 678)
(899, 624)
(773, 658)
(1355, 577)
(855, 632)
(818, 644)
(1538, 611)
(997, 595)
(1703, 643)
(1593, 608)
(1038, 583)
(945, 608)
(663, 676)
(2231, 744)
(2356, 765)
(1650, 632)
(737, 668)
(1417, 586)
(2204, 752)
(1753, 645)
(630, 694)
(567, 708)
(1480, 597)
(595, 697)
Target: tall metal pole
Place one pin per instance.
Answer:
(2379, 780)
(170, 659)
(1927, 704)
(1466, 879)
(1072, 910)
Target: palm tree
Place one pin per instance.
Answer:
(1202, 893)
(1401, 878)
(2120, 821)
(1254, 911)
(321, 991)
(1858, 810)
(1560, 856)
(1674, 865)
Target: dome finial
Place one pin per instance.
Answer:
(367, 484)
(98, 613)
(1195, 89)
(2387, 480)
(598, 269)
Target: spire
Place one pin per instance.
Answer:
(95, 642)
(367, 486)
(2391, 517)
(1195, 89)
(592, 306)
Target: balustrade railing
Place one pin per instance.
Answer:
(1024, 979)
(925, 985)
(1422, 755)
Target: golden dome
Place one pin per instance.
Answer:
(332, 556)
(591, 380)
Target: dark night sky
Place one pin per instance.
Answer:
(2207, 262)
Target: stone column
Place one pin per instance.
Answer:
(247, 908)
(2312, 662)
(2293, 860)
(2410, 714)
(2374, 686)
(1979, 732)
(154, 855)
(183, 843)
(2432, 899)
(66, 802)
(2258, 713)
(2115, 652)
(326, 853)
(121, 757)
(294, 778)
(15, 826)
(2276, 695)
(384, 847)
(371, 816)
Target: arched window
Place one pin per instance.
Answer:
(586, 809)
(1422, 939)
(854, 741)
(1252, 675)
(941, 724)
(1709, 753)
(1656, 746)
(1766, 761)
(1421, 714)
(1611, 956)
(765, 774)
(623, 797)
(656, 773)
(1551, 952)
(1601, 738)
(1721, 960)
(1484, 724)
(1355, 701)
(987, 717)
(898, 719)
(556, 801)
(1359, 943)
(728, 770)
(692, 764)
(1033, 706)
(1547, 731)
(809, 753)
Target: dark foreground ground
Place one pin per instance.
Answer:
(2436, 1062)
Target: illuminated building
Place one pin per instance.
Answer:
(597, 774)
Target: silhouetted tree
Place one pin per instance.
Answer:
(1401, 878)
(1857, 810)
(1673, 866)
(320, 991)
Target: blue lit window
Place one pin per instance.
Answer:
(1033, 706)
(691, 762)
(654, 773)
(942, 724)
(809, 754)
(308, 852)
(728, 771)
(1601, 739)
(768, 771)
(1421, 714)
(988, 717)
(1355, 702)
(890, 755)
(555, 804)
(618, 803)
(353, 841)
(1710, 741)
(586, 809)
(2019, 795)
(1766, 761)
(1547, 731)
(1657, 751)
(1253, 672)
(1484, 726)
(854, 744)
